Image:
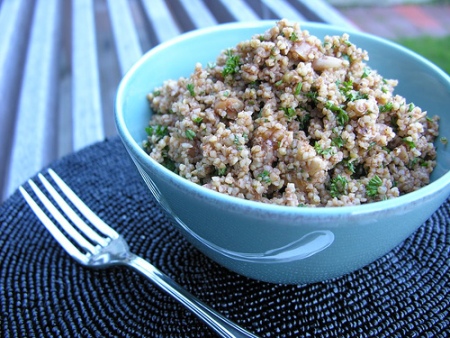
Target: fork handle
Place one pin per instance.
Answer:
(221, 325)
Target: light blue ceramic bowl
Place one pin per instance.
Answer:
(275, 243)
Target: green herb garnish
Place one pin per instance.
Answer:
(349, 165)
(298, 88)
(221, 171)
(366, 72)
(231, 65)
(190, 88)
(289, 112)
(373, 185)
(237, 142)
(341, 115)
(169, 164)
(293, 37)
(303, 121)
(354, 95)
(265, 177)
(158, 130)
(347, 57)
(410, 143)
(279, 83)
(346, 86)
(197, 119)
(322, 151)
(338, 186)
(190, 134)
(338, 141)
(386, 107)
(312, 95)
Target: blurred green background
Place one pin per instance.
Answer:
(420, 25)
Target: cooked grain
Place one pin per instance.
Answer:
(286, 118)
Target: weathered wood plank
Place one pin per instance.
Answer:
(15, 16)
(87, 113)
(198, 13)
(34, 143)
(126, 38)
(240, 10)
(284, 10)
(161, 20)
(325, 13)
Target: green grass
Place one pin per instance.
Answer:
(435, 49)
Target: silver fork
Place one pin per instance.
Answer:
(106, 248)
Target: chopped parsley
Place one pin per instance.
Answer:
(293, 37)
(366, 72)
(341, 115)
(373, 185)
(322, 151)
(312, 95)
(349, 165)
(386, 107)
(279, 83)
(265, 177)
(221, 171)
(338, 141)
(158, 130)
(345, 86)
(167, 161)
(346, 89)
(298, 88)
(303, 121)
(231, 65)
(410, 143)
(197, 119)
(394, 123)
(289, 112)
(190, 134)
(237, 142)
(169, 164)
(354, 95)
(190, 88)
(338, 186)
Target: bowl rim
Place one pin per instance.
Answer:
(417, 196)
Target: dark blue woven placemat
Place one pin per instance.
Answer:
(45, 293)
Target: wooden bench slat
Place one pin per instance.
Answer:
(161, 19)
(34, 144)
(284, 10)
(86, 100)
(327, 13)
(125, 35)
(199, 14)
(240, 10)
(15, 16)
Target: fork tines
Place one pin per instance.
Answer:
(71, 223)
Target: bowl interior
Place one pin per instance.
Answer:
(420, 81)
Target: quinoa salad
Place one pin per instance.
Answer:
(289, 119)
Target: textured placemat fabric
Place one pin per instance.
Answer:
(43, 292)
